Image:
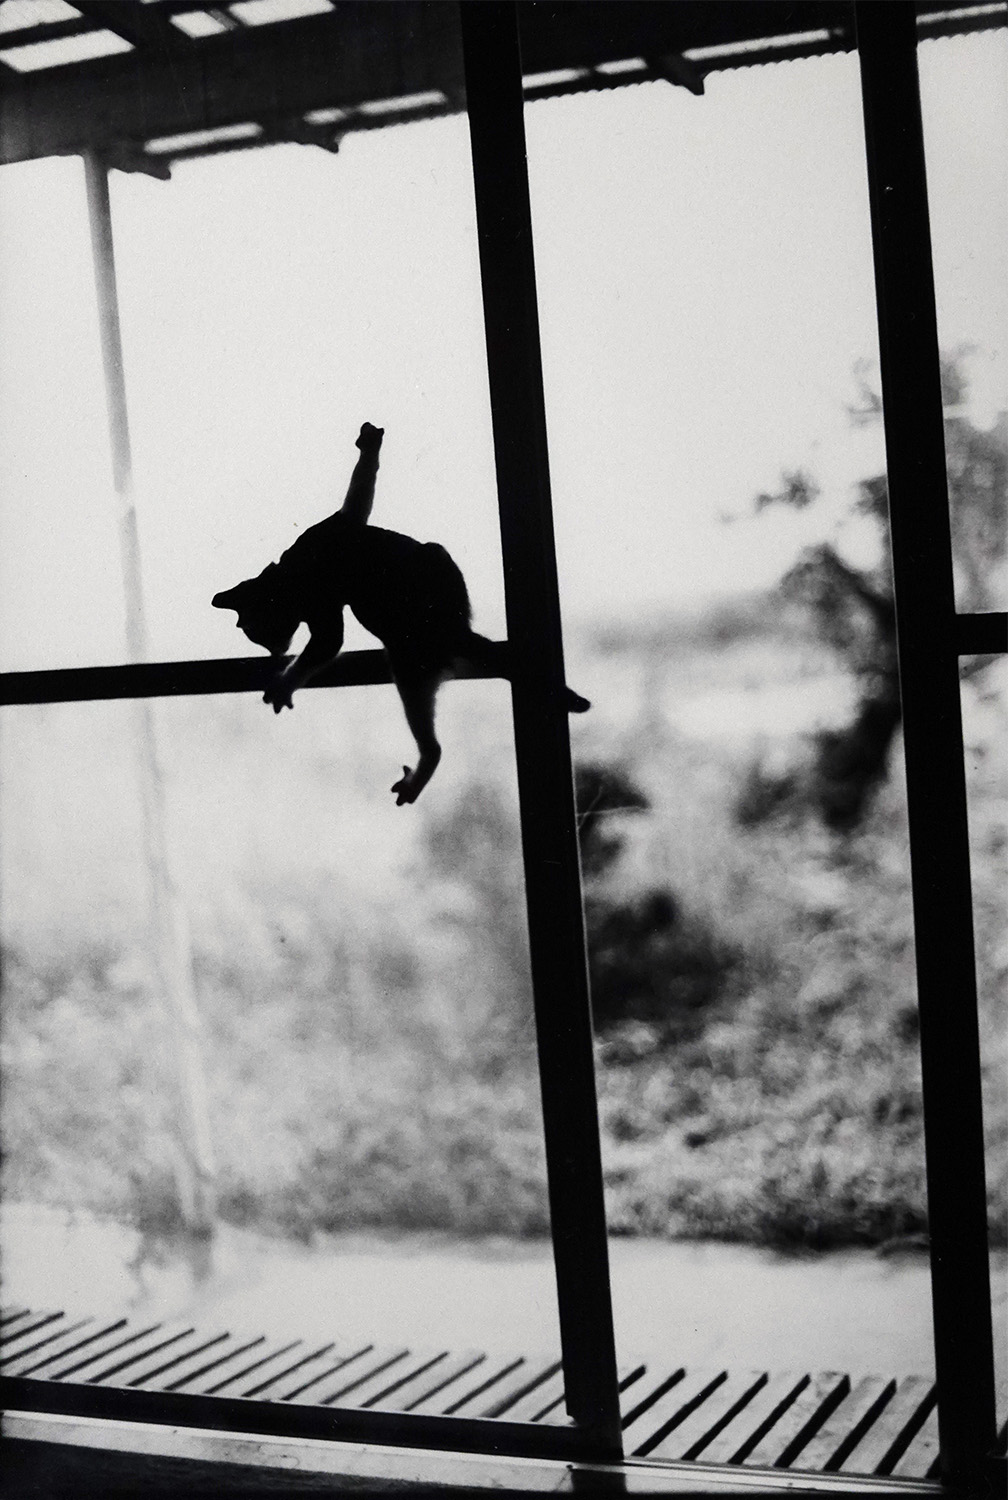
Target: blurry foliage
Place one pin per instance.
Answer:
(370, 1042)
(83, 1062)
(852, 609)
(798, 489)
(470, 857)
(347, 1087)
(599, 792)
(767, 795)
(371, 1060)
(794, 1118)
(753, 616)
(649, 958)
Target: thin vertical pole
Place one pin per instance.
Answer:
(170, 948)
(542, 743)
(932, 733)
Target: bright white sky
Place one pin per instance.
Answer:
(705, 289)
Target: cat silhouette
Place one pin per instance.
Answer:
(409, 594)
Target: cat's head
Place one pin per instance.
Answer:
(265, 619)
(370, 438)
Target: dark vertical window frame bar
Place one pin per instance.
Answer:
(542, 743)
(927, 637)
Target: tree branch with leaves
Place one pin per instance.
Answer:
(852, 609)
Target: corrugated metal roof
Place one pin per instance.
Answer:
(148, 82)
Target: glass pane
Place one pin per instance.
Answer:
(269, 306)
(365, 1051)
(709, 324)
(365, 1047)
(985, 710)
(964, 102)
(61, 600)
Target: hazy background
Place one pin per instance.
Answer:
(705, 293)
(705, 287)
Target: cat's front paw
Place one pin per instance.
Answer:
(279, 694)
(404, 788)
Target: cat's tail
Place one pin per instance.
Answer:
(481, 652)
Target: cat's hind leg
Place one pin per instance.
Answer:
(418, 692)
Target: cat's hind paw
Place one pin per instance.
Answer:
(404, 788)
(279, 694)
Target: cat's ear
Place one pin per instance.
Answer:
(256, 591)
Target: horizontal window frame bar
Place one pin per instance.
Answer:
(976, 635)
(286, 1419)
(179, 679)
(267, 1463)
(982, 634)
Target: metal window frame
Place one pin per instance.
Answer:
(489, 34)
(931, 637)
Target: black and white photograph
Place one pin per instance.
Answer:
(503, 747)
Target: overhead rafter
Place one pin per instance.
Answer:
(141, 25)
(114, 15)
(53, 31)
(675, 68)
(267, 74)
(362, 53)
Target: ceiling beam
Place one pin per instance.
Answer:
(141, 25)
(55, 31)
(677, 69)
(363, 51)
(571, 34)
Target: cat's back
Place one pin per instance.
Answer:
(412, 596)
(337, 547)
(401, 590)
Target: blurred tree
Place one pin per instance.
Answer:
(598, 791)
(649, 958)
(471, 849)
(852, 608)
